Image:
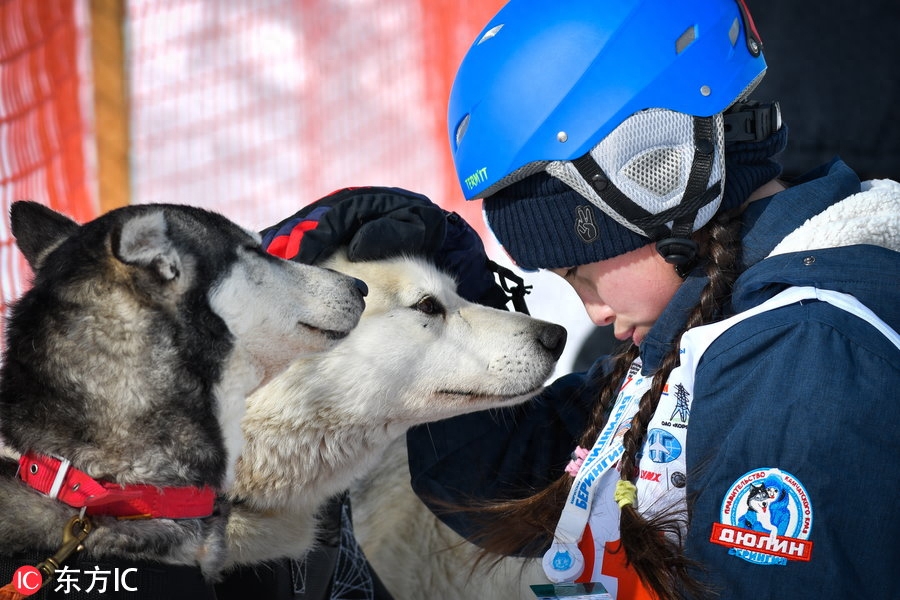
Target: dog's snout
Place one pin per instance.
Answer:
(553, 338)
(361, 286)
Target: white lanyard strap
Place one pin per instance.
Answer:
(563, 561)
(602, 456)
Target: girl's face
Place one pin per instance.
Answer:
(630, 290)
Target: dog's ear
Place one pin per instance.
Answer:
(143, 241)
(38, 230)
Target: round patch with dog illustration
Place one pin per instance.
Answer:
(766, 518)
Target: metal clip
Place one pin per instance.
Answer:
(517, 293)
(74, 533)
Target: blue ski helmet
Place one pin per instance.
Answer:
(548, 80)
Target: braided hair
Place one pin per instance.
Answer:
(653, 546)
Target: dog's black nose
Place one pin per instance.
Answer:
(553, 338)
(361, 286)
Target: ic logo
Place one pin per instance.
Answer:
(27, 580)
(584, 224)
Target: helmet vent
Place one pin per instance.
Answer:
(686, 39)
(658, 170)
(490, 33)
(734, 31)
(461, 130)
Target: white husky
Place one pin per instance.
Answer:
(415, 555)
(420, 353)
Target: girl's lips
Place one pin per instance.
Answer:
(632, 333)
(623, 335)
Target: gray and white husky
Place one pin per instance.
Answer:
(129, 360)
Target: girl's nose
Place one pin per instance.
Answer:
(600, 314)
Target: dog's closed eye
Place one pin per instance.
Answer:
(429, 305)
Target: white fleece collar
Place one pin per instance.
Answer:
(871, 216)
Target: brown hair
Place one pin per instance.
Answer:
(653, 546)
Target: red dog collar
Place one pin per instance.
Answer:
(58, 479)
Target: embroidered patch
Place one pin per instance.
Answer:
(664, 447)
(584, 224)
(766, 518)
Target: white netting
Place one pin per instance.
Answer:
(648, 158)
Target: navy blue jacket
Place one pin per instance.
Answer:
(808, 388)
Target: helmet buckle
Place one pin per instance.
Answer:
(677, 251)
(752, 121)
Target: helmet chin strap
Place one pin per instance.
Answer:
(674, 245)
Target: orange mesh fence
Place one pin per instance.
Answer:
(42, 129)
(248, 107)
(252, 108)
(255, 108)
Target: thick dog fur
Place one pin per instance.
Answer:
(132, 356)
(420, 353)
(417, 556)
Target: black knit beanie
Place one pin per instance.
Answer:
(544, 224)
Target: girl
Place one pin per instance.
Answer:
(615, 144)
